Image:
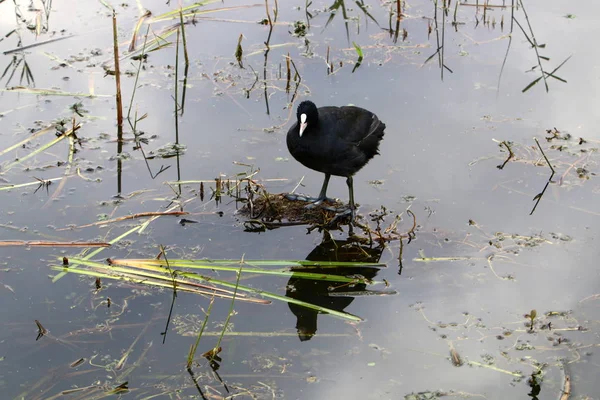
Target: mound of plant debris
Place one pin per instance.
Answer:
(270, 211)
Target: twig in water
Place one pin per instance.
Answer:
(185, 52)
(41, 330)
(137, 28)
(440, 41)
(173, 276)
(43, 243)
(411, 233)
(128, 217)
(544, 154)
(226, 324)
(510, 155)
(538, 196)
(29, 46)
(566, 390)
(533, 42)
(117, 78)
(289, 73)
(267, 49)
(239, 52)
(400, 266)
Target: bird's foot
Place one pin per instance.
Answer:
(314, 201)
(341, 211)
(342, 215)
(299, 197)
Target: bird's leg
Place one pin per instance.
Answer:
(314, 201)
(345, 212)
(323, 195)
(350, 182)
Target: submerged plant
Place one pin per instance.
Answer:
(532, 314)
(360, 54)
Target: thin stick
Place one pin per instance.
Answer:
(544, 154)
(237, 283)
(42, 243)
(117, 78)
(185, 52)
(539, 196)
(194, 347)
(510, 154)
(128, 217)
(177, 88)
(534, 43)
(29, 46)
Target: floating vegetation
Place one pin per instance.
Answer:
(158, 273)
(300, 29)
(239, 52)
(264, 211)
(570, 157)
(168, 150)
(427, 395)
(531, 340)
(276, 210)
(501, 249)
(360, 55)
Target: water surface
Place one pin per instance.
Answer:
(490, 261)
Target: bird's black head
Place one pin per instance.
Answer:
(307, 115)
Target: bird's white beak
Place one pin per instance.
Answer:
(303, 123)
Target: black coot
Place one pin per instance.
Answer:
(335, 141)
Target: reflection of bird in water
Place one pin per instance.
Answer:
(320, 292)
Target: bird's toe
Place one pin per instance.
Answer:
(299, 197)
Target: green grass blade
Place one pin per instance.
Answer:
(217, 282)
(202, 264)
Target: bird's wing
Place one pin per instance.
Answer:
(361, 126)
(375, 125)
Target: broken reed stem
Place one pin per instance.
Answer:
(137, 78)
(267, 50)
(411, 232)
(127, 218)
(544, 154)
(510, 154)
(297, 74)
(485, 10)
(270, 25)
(239, 51)
(455, 12)
(187, 62)
(289, 73)
(398, 10)
(194, 347)
(185, 52)
(237, 283)
(535, 45)
(566, 390)
(43, 243)
(400, 266)
(173, 274)
(177, 88)
(539, 196)
(117, 79)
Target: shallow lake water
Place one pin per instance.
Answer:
(490, 244)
